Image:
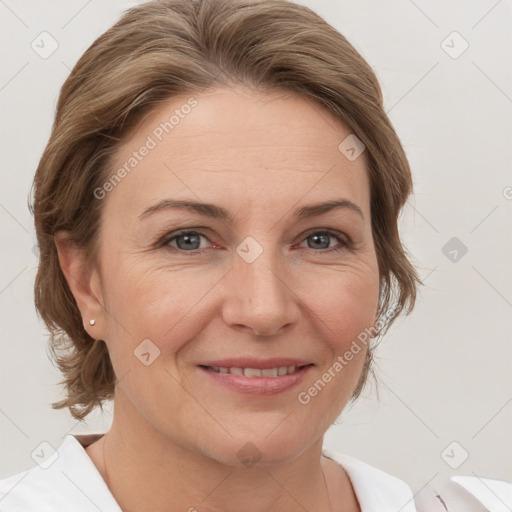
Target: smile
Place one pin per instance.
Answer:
(256, 372)
(256, 381)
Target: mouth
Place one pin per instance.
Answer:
(278, 371)
(264, 378)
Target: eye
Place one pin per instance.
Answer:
(322, 239)
(187, 241)
(190, 241)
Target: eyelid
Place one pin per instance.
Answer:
(333, 232)
(344, 241)
(169, 237)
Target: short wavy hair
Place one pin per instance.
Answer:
(161, 49)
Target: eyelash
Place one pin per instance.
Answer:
(166, 240)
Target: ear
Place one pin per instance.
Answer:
(84, 283)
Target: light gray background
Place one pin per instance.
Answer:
(445, 370)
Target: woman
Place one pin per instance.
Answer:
(216, 212)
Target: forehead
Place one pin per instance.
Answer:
(277, 145)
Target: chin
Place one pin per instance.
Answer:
(263, 445)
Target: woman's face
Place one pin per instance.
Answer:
(253, 284)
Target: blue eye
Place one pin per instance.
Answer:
(190, 241)
(321, 240)
(187, 241)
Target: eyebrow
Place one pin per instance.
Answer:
(218, 212)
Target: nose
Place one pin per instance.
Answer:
(260, 297)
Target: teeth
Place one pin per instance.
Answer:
(252, 372)
(255, 372)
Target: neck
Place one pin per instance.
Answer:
(146, 470)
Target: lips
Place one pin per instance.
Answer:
(251, 362)
(256, 376)
(256, 372)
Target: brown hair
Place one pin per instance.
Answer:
(164, 48)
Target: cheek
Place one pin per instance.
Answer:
(353, 309)
(344, 306)
(344, 314)
(156, 301)
(345, 299)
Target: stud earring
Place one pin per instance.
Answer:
(92, 321)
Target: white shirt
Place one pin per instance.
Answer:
(68, 481)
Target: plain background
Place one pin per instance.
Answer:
(444, 371)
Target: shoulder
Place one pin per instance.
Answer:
(376, 490)
(66, 481)
(36, 486)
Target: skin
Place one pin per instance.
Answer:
(174, 433)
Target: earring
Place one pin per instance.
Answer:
(92, 321)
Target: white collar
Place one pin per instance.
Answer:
(71, 482)
(376, 490)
